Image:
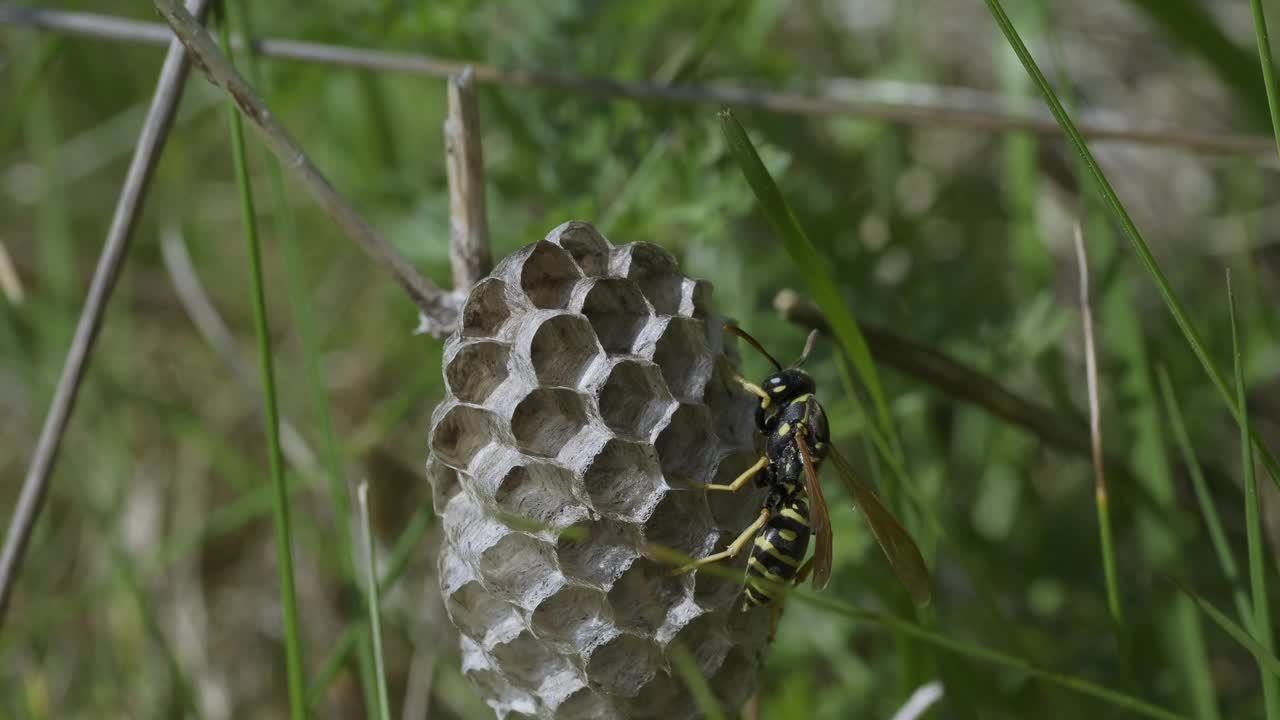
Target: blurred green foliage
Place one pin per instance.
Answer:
(150, 576)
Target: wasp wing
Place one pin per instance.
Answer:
(904, 557)
(819, 518)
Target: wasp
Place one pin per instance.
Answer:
(797, 444)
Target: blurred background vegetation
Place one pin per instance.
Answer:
(150, 585)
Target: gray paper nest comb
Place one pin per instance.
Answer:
(588, 386)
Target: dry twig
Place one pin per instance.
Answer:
(173, 75)
(468, 220)
(438, 308)
(850, 100)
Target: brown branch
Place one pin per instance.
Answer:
(439, 309)
(852, 100)
(155, 131)
(468, 221)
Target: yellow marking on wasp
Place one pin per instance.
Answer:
(779, 388)
(792, 514)
(776, 554)
(802, 398)
(788, 535)
(783, 429)
(760, 568)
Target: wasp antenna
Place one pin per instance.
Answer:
(808, 347)
(735, 330)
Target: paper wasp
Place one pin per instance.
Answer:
(796, 443)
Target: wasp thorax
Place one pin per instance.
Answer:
(589, 398)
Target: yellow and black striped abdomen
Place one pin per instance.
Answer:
(778, 552)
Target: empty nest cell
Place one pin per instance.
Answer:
(600, 554)
(563, 349)
(472, 607)
(624, 665)
(645, 593)
(574, 616)
(548, 275)
(618, 312)
(477, 369)
(520, 569)
(586, 704)
(546, 419)
(462, 432)
(707, 640)
(634, 399)
(682, 523)
(542, 493)
(684, 357)
(528, 662)
(654, 270)
(586, 245)
(686, 447)
(624, 481)
(486, 308)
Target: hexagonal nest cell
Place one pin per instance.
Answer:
(548, 275)
(634, 399)
(563, 349)
(685, 358)
(617, 310)
(476, 370)
(584, 398)
(587, 247)
(546, 419)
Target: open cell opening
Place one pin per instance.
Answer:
(634, 399)
(563, 349)
(623, 480)
(542, 493)
(584, 704)
(472, 607)
(461, 433)
(733, 409)
(686, 447)
(654, 270)
(682, 523)
(618, 312)
(520, 568)
(599, 556)
(586, 245)
(685, 358)
(728, 684)
(486, 309)
(708, 642)
(546, 419)
(477, 369)
(624, 665)
(548, 275)
(575, 616)
(528, 662)
(643, 596)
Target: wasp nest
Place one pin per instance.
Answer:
(588, 388)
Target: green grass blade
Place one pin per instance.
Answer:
(1133, 705)
(687, 668)
(374, 603)
(1131, 231)
(815, 269)
(1208, 508)
(1253, 524)
(284, 545)
(1267, 662)
(1268, 67)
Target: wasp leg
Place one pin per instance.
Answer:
(743, 478)
(804, 571)
(734, 548)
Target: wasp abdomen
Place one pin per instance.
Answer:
(778, 552)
